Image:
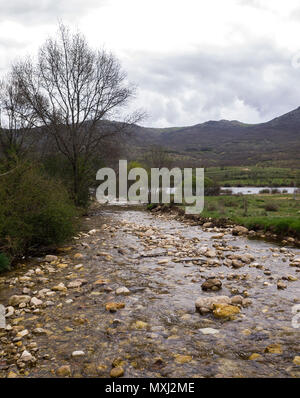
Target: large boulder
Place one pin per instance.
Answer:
(16, 300)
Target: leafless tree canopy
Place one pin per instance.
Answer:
(69, 90)
(16, 119)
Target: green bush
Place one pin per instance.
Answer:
(271, 206)
(35, 211)
(4, 262)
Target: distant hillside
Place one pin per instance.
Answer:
(228, 142)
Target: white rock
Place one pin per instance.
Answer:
(74, 284)
(76, 354)
(39, 331)
(49, 303)
(209, 331)
(27, 357)
(122, 291)
(9, 311)
(93, 231)
(35, 302)
(23, 333)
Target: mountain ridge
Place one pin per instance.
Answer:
(227, 142)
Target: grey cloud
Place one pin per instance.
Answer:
(198, 86)
(43, 11)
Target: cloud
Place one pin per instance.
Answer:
(192, 63)
(45, 11)
(246, 83)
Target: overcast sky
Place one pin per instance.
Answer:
(193, 60)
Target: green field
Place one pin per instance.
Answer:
(254, 176)
(277, 213)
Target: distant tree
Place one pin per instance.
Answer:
(158, 157)
(16, 119)
(69, 90)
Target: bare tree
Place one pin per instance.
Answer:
(16, 119)
(158, 157)
(70, 89)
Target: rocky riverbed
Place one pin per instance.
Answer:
(148, 295)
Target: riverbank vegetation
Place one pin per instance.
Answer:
(279, 214)
(62, 117)
(254, 176)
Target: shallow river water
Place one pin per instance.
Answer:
(158, 333)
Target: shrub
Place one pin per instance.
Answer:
(271, 207)
(265, 190)
(35, 211)
(4, 262)
(211, 188)
(275, 191)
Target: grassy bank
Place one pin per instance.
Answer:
(279, 214)
(253, 176)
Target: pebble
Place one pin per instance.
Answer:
(117, 372)
(76, 354)
(122, 291)
(64, 371)
(209, 331)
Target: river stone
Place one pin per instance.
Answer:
(205, 304)
(281, 285)
(27, 357)
(254, 356)
(225, 311)
(74, 284)
(39, 331)
(117, 372)
(64, 371)
(210, 253)
(183, 359)
(23, 333)
(239, 230)
(140, 325)
(9, 311)
(296, 361)
(49, 258)
(113, 307)
(76, 354)
(236, 300)
(122, 291)
(60, 287)
(35, 302)
(212, 284)
(274, 349)
(209, 331)
(17, 300)
(208, 225)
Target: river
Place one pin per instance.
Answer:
(158, 333)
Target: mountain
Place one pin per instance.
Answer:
(225, 142)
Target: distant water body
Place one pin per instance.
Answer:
(256, 190)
